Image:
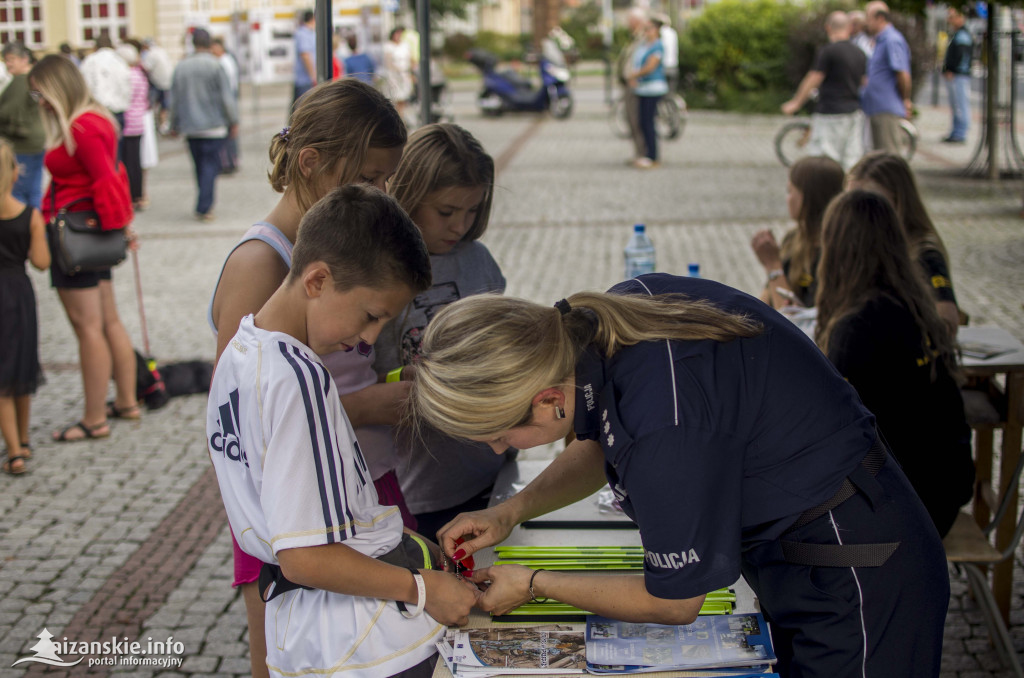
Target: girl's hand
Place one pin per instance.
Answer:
(449, 600)
(509, 587)
(477, 530)
(767, 250)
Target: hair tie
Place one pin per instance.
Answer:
(284, 133)
(563, 306)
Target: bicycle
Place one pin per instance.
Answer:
(669, 123)
(792, 138)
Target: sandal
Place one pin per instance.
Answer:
(15, 465)
(134, 413)
(88, 432)
(26, 450)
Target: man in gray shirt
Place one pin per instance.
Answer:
(203, 110)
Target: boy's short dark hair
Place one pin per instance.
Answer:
(365, 239)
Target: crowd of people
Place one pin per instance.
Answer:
(372, 380)
(863, 84)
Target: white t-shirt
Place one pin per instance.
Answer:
(670, 41)
(291, 476)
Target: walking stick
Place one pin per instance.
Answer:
(142, 309)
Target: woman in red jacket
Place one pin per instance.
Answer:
(82, 162)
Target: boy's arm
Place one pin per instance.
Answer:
(378, 404)
(338, 568)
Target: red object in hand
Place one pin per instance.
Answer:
(467, 562)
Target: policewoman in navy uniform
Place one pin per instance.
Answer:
(727, 437)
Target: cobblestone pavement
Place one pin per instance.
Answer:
(126, 536)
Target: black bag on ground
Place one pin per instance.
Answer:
(187, 377)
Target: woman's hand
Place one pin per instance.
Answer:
(478, 530)
(449, 600)
(509, 587)
(767, 250)
(131, 238)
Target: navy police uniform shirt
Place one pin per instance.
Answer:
(716, 447)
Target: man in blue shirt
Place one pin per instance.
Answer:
(305, 56)
(359, 64)
(957, 70)
(886, 96)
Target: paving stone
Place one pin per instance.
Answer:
(236, 666)
(200, 664)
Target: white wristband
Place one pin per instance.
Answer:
(421, 597)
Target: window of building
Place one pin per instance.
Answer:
(22, 20)
(103, 16)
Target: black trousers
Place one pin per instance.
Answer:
(131, 148)
(829, 622)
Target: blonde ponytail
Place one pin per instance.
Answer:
(484, 358)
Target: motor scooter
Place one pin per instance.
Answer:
(506, 90)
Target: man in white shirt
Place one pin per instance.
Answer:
(109, 78)
(670, 43)
(229, 156)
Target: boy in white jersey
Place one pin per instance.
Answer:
(296, 488)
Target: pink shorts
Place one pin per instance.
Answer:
(247, 568)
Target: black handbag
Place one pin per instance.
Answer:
(79, 244)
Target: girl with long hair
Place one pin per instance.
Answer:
(445, 182)
(312, 156)
(726, 436)
(813, 182)
(82, 161)
(890, 175)
(878, 325)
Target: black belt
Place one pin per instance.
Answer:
(841, 555)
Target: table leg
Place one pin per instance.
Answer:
(1002, 578)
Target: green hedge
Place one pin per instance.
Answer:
(734, 54)
(750, 55)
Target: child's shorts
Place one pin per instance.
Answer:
(247, 568)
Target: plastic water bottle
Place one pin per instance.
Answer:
(639, 253)
(693, 270)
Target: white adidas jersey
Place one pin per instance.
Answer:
(291, 476)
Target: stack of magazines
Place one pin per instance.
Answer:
(584, 559)
(724, 645)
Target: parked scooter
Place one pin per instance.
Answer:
(506, 90)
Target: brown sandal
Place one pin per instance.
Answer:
(133, 413)
(88, 432)
(15, 465)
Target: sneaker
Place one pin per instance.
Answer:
(643, 163)
(953, 140)
(206, 218)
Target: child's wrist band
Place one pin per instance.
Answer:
(393, 376)
(533, 595)
(421, 597)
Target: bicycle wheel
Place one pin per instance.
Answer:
(666, 121)
(791, 141)
(618, 120)
(908, 139)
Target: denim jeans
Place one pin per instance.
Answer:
(959, 89)
(29, 186)
(206, 157)
(648, 111)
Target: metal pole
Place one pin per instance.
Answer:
(608, 34)
(324, 45)
(423, 26)
(991, 113)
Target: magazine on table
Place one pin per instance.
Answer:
(553, 648)
(724, 641)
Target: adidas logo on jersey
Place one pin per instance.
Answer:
(226, 440)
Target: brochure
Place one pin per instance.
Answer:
(554, 648)
(734, 640)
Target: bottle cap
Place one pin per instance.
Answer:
(638, 228)
(694, 269)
